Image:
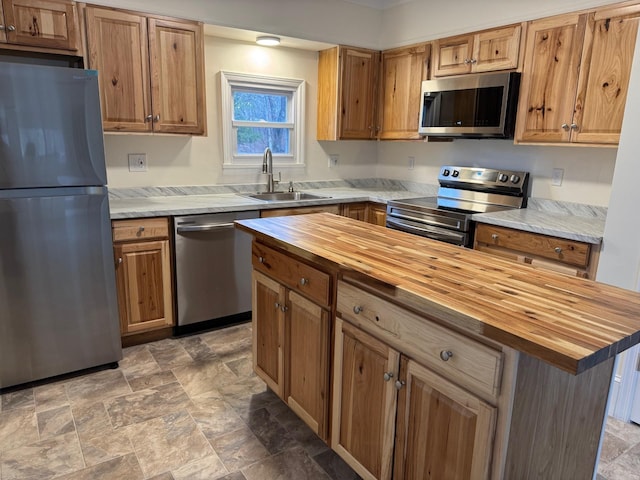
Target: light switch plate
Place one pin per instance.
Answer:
(556, 177)
(333, 160)
(137, 162)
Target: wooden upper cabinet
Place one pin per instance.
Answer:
(486, 51)
(549, 79)
(347, 80)
(603, 83)
(177, 69)
(576, 77)
(123, 67)
(50, 24)
(151, 71)
(403, 70)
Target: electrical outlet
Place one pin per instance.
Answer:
(333, 160)
(412, 163)
(556, 177)
(137, 162)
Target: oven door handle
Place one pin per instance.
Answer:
(452, 237)
(432, 219)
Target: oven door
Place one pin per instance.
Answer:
(429, 231)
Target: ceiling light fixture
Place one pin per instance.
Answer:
(268, 40)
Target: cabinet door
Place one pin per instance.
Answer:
(3, 35)
(549, 79)
(118, 49)
(143, 279)
(268, 331)
(496, 49)
(357, 211)
(377, 214)
(443, 431)
(358, 76)
(364, 401)
(42, 23)
(604, 77)
(307, 362)
(403, 71)
(452, 56)
(177, 73)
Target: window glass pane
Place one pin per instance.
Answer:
(253, 140)
(256, 107)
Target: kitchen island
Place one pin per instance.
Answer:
(411, 356)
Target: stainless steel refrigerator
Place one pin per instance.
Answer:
(58, 306)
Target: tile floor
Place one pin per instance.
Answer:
(188, 408)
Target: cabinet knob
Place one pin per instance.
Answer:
(140, 231)
(148, 118)
(574, 126)
(445, 355)
(119, 260)
(467, 61)
(261, 259)
(494, 236)
(387, 376)
(399, 384)
(11, 28)
(284, 308)
(277, 305)
(357, 309)
(473, 60)
(304, 281)
(156, 118)
(565, 127)
(557, 250)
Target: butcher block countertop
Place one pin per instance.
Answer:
(568, 322)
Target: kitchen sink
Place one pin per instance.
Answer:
(283, 196)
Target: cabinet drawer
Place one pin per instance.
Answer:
(457, 357)
(559, 249)
(140, 229)
(298, 276)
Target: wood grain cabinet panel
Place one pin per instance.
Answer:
(291, 333)
(143, 275)
(485, 51)
(403, 70)
(49, 24)
(369, 212)
(576, 77)
(347, 89)
(553, 253)
(442, 430)
(364, 401)
(151, 71)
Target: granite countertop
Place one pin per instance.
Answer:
(561, 219)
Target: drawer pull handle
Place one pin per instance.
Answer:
(140, 230)
(304, 281)
(494, 236)
(387, 376)
(357, 309)
(261, 259)
(399, 384)
(445, 355)
(557, 250)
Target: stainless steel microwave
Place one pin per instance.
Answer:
(470, 106)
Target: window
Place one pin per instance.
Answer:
(260, 112)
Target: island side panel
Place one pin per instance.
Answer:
(556, 421)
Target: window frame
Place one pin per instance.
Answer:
(232, 80)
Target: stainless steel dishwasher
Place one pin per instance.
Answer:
(213, 270)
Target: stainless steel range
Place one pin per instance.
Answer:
(463, 191)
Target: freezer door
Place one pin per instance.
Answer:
(58, 306)
(50, 127)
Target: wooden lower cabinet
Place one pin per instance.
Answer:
(143, 274)
(291, 335)
(561, 255)
(443, 431)
(369, 212)
(382, 398)
(364, 401)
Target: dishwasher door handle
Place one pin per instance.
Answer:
(205, 227)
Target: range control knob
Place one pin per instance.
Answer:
(455, 173)
(515, 178)
(503, 178)
(445, 172)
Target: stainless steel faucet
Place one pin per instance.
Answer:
(267, 169)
